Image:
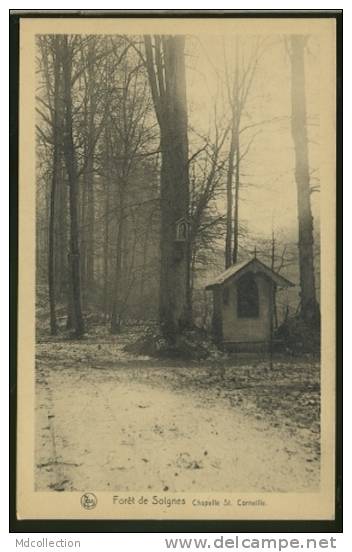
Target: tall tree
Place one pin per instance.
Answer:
(309, 305)
(239, 82)
(68, 47)
(165, 60)
(91, 79)
(50, 52)
(233, 99)
(229, 199)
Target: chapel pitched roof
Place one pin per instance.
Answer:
(253, 265)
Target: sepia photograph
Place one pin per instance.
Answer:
(180, 275)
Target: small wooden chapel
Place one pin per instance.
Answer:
(243, 300)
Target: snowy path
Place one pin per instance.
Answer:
(115, 429)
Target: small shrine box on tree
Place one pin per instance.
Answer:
(183, 229)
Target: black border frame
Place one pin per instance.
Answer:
(165, 526)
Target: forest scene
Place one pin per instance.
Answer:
(177, 263)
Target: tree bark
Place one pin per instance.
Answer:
(83, 201)
(71, 167)
(90, 234)
(54, 186)
(106, 223)
(168, 85)
(90, 166)
(116, 299)
(229, 199)
(144, 259)
(236, 107)
(61, 225)
(273, 254)
(309, 305)
(237, 199)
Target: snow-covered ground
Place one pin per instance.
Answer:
(108, 421)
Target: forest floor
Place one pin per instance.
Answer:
(110, 420)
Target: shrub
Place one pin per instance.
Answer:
(296, 336)
(192, 344)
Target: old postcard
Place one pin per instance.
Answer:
(176, 323)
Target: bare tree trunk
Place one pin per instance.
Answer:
(168, 86)
(237, 199)
(90, 234)
(236, 109)
(229, 199)
(71, 167)
(83, 237)
(173, 270)
(90, 166)
(238, 90)
(106, 175)
(309, 305)
(144, 259)
(192, 274)
(51, 258)
(53, 192)
(61, 224)
(106, 240)
(231, 244)
(274, 287)
(70, 321)
(116, 295)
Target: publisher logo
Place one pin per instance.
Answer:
(89, 501)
